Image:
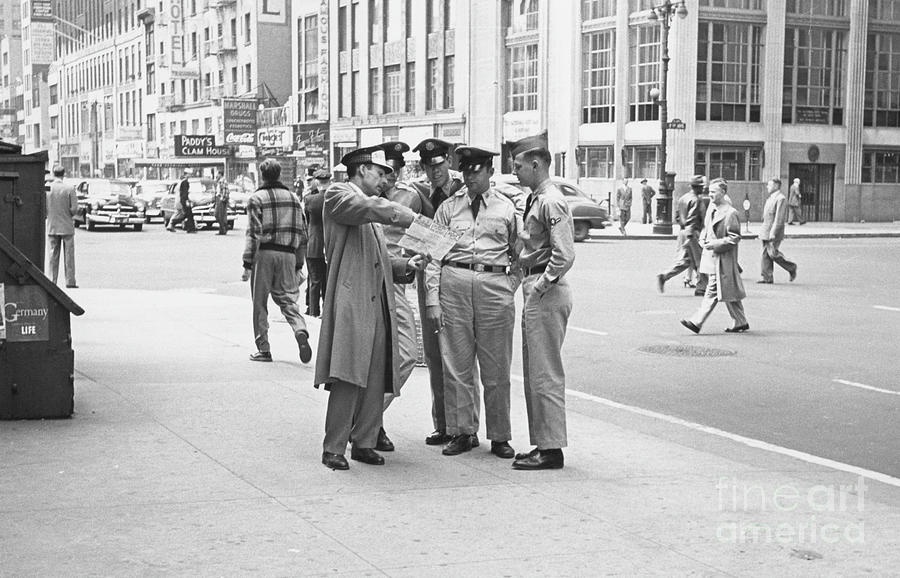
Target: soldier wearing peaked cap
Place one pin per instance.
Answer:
(439, 184)
(547, 254)
(471, 303)
(689, 217)
(407, 341)
(358, 359)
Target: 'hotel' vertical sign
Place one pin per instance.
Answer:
(176, 16)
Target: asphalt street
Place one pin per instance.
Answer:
(817, 373)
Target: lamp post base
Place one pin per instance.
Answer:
(662, 228)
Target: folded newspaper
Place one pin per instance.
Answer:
(426, 237)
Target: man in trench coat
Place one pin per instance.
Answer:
(720, 239)
(357, 356)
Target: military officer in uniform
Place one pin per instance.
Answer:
(439, 184)
(546, 256)
(690, 219)
(471, 300)
(399, 192)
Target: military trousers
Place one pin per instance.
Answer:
(407, 339)
(544, 321)
(431, 349)
(355, 413)
(479, 314)
(274, 274)
(66, 243)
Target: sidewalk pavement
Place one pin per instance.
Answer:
(184, 458)
(811, 230)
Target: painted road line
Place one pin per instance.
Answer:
(886, 308)
(591, 331)
(750, 442)
(864, 386)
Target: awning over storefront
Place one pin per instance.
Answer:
(181, 162)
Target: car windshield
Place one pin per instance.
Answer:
(153, 188)
(109, 188)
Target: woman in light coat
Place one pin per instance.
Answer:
(720, 238)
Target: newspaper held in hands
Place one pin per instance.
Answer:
(426, 237)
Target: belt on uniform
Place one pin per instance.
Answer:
(478, 267)
(276, 247)
(534, 270)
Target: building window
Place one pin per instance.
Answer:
(734, 4)
(448, 81)
(410, 87)
(644, 72)
(641, 161)
(522, 15)
(308, 99)
(376, 32)
(354, 79)
(728, 72)
(730, 163)
(151, 78)
(522, 77)
(641, 5)
(596, 162)
(884, 10)
(882, 101)
(593, 9)
(881, 166)
(449, 14)
(409, 19)
(599, 80)
(431, 16)
(375, 91)
(151, 127)
(54, 93)
(432, 73)
(342, 28)
(344, 95)
(247, 28)
(358, 27)
(393, 21)
(813, 76)
(393, 89)
(248, 77)
(816, 7)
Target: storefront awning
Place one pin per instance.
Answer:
(181, 162)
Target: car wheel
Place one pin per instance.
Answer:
(582, 231)
(230, 225)
(90, 225)
(139, 227)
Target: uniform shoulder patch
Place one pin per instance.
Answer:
(555, 221)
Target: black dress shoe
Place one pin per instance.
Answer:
(71, 286)
(525, 455)
(738, 329)
(764, 282)
(475, 443)
(335, 461)
(793, 274)
(459, 444)
(303, 345)
(544, 460)
(366, 456)
(699, 292)
(261, 356)
(438, 438)
(690, 325)
(384, 443)
(502, 450)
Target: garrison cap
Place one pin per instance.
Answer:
(473, 158)
(433, 151)
(537, 141)
(698, 181)
(366, 155)
(393, 152)
(321, 174)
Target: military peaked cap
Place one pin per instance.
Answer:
(473, 158)
(433, 151)
(393, 152)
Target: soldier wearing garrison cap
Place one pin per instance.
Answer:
(439, 184)
(547, 254)
(471, 304)
(407, 341)
(358, 360)
(689, 217)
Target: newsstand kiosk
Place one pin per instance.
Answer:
(37, 362)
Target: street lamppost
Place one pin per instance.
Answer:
(664, 13)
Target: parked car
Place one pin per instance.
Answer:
(202, 193)
(151, 193)
(108, 202)
(238, 198)
(586, 213)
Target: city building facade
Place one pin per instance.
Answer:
(806, 89)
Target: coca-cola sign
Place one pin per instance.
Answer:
(239, 120)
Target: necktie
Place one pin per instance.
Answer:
(437, 197)
(528, 203)
(476, 204)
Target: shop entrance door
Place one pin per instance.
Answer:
(816, 190)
